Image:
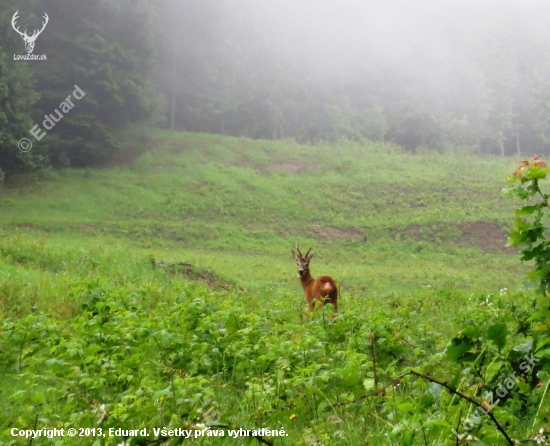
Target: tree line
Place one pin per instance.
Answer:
(228, 67)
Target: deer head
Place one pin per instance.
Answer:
(29, 40)
(302, 262)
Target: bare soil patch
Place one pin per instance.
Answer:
(32, 226)
(193, 273)
(487, 236)
(27, 226)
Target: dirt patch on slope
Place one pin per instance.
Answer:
(190, 271)
(32, 226)
(481, 233)
(27, 226)
(487, 236)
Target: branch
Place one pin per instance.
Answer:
(408, 342)
(378, 392)
(540, 192)
(449, 388)
(34, 428)
(470, 400)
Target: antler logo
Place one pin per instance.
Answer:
(29, 40)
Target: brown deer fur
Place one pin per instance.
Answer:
(323, 289)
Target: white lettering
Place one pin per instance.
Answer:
(79, 91)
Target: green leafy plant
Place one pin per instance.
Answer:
(529, 230)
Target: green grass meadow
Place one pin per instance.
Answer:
(379, 220)
(102, 328)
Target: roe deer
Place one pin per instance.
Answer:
(323, 289)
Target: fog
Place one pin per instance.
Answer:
(432, 73)
(146, 284)
(435, 75)
(336, 36)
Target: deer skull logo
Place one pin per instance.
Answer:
(29, 40)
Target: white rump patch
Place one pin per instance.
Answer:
(328, 285)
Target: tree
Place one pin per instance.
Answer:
(17, 96)
(104, 48)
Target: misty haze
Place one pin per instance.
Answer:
(281, 223)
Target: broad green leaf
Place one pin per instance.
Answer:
(368, 383)
(527, 210)
(537, 172)
(406, 407)
(469, 332)
(453, 383)
(515, 237)
(426, 401)
(435, 389)
(458, 348)
(493, 370)
(498, 333)
(407, 439)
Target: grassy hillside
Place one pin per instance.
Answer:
(379, 220)
(99, 311)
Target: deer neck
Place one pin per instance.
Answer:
(306, 279)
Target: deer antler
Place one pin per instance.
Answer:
(13, 20)
(24, 34)
(308, 251)
(298, 249)
(36, 32)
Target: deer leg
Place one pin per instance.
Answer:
(309, 304)
(334, 299)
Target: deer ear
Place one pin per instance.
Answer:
(294, 255)
(309, 257)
